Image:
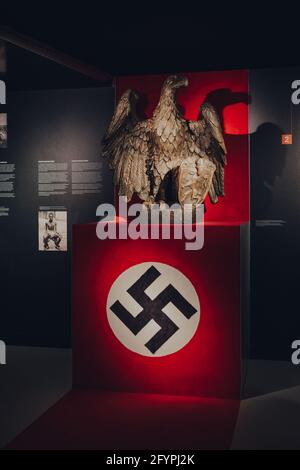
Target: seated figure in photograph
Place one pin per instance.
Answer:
(51, 233)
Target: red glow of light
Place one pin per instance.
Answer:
(209, 365)
(234, 207)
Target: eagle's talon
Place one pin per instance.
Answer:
(149, 203)
(162, 204)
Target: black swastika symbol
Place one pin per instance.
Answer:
(152, 309)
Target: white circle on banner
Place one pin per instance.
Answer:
(153, 309)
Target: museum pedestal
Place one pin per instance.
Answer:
(188, 399)
(209, 365)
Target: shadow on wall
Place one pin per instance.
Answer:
(218, 98)
(236, 190)
(226, 97)
(274, 248)
(269, 164)
(236, 184)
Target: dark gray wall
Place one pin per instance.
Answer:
(275, 210)
(59, 125)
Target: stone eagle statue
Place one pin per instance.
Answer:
(146, 155)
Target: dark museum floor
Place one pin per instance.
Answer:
(34, 379)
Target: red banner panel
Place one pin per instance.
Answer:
(228, 92)
(207, 360)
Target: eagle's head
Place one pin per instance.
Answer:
(130, 96)
(134, 95)
(173, 82)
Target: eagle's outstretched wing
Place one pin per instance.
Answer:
(123, 120)
(211, 118)
(210, 136)
(126, 144)
(131, 158)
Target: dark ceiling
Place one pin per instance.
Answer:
(138, 44)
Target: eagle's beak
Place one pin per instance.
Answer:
(183, 81)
